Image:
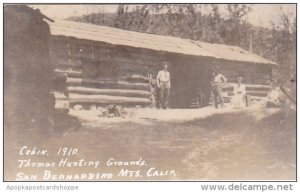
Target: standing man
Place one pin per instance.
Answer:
(164, 85)
(218, 81)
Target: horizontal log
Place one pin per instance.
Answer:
(69, 47)
(74, 81)
(111, 92)
(124, 74)
(62, 68)
(65, 53)
(257, 98)
(134, 70)
(115, 85)
(81, 42)
(105, 99)
(59, 52)
(56, 47)
(258, 87)
(135, 79)
(124, 61)
(59, 95)
(69, 73)
(252, 93)
(262, 82)
(66, 63)
(56, 56)
(107, 84)
(227, 99)
(257, 93)
(140, 61)
(229, 86)
(84, 56)
(65, 56)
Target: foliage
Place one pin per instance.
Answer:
(205, 22)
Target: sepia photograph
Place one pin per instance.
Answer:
(149, 92)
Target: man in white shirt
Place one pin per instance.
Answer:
(164, 85)
(218, 81)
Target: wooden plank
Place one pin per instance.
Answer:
(112, 92)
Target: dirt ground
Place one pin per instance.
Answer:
(199, 144)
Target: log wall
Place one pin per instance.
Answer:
(97, 68)
(98, 73)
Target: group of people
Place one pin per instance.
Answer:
(161, 86)
(239, 90)
(238, 100)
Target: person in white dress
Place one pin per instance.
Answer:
(239, 91)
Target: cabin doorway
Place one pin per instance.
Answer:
(190, 85)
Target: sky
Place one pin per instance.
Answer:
(261, 14)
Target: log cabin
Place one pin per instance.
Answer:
(106, 65)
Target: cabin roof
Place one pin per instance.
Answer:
(153, 42)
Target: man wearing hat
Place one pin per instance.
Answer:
(218, 81)
(164, 85)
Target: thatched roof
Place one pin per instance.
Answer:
(154, 42)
